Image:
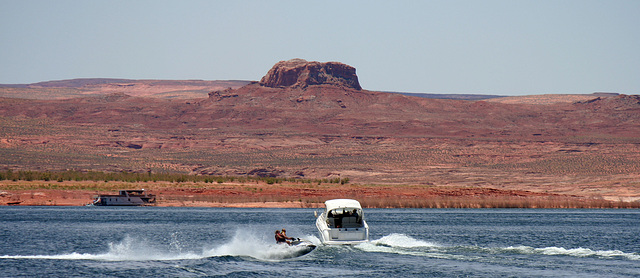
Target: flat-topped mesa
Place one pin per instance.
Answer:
(301, 73)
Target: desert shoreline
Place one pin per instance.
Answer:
(263, 195)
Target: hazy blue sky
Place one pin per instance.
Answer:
(508, 47)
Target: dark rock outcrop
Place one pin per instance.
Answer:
(301, 73)
(615, 103)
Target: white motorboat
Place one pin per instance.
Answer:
(342, 222)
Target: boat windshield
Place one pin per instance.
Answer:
(345, 218)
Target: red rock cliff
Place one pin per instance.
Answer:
(301, 73)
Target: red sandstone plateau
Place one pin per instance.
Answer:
(313, 120)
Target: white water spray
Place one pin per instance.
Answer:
(244, 244)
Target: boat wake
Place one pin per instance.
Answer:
(243, 244)
(575, 252)
(129, 249)
(406, 245)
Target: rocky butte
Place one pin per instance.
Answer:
(301, 73)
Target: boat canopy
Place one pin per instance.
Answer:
(342, 203)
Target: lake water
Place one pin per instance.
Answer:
(203, 242)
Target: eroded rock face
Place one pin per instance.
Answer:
(301, 73)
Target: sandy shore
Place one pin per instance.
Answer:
(262, 195)
(82, 198)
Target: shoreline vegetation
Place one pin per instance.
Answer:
(133, 177)
(74, 188)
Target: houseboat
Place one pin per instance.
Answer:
(125, 198)
(342, 222)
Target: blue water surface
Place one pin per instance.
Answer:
(229, 242)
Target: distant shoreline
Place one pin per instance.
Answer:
(263, 195)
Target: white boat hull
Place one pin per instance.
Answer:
(347, 229)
